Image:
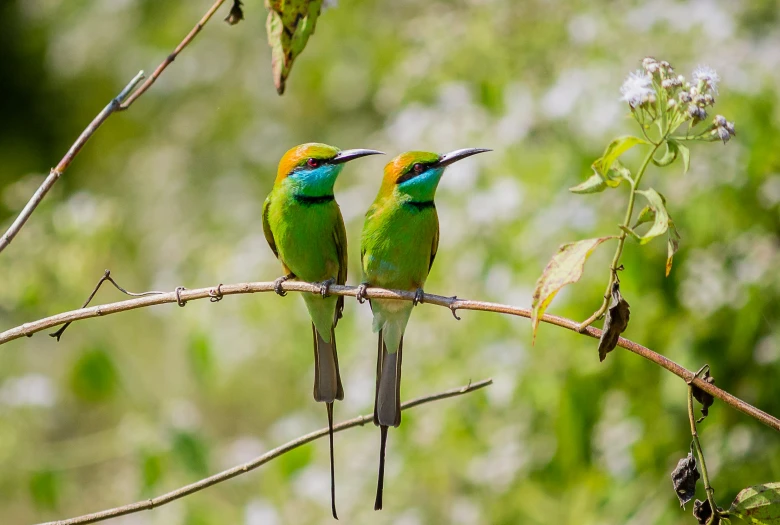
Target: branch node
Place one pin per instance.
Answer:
(179, 300)
(215, 294)
(453, 306)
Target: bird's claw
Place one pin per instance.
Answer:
(278, 285)
(360, 295)
(325, 287)
(418, 296)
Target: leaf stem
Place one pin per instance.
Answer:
(613, 268)
(700, 458)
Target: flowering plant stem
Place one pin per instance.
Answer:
(613, 268)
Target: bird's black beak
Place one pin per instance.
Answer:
(352, 154)
(458, 154)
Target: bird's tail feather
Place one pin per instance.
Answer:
(381, 479)
(327, 378)
(332, 463)
(327, 388)
(387, 402)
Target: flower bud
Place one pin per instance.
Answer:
(720, 121)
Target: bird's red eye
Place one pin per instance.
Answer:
(419, 168)
(312, 163)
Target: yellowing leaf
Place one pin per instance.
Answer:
(289, 25)
(564, 268)
(672, 245)
(759, 504)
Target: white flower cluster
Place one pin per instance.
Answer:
(656, 84)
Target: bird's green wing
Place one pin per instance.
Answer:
(269, 235)
(340, 238)
(435, 244)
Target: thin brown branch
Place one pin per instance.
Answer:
(181, 296)
(262, 460)
(56, 172)
(170, 58)
(121, 102)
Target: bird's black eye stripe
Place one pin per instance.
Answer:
(415, 169)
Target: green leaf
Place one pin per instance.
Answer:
(289, 25)
(597, 182)
(759, 504)
(672, 245)
(614, 150)
(45, 489)
(670, 155)
(191, 452)
(661, 220)
(646, 215)
(685, 153)
(94, 377)
(564, 268)
(594, 184)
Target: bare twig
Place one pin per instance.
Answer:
(119, 103)
(106, 277)
(57, 172)
(251, 465)
(170, 58)
(453, 303)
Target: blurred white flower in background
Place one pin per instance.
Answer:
(28, 390)
(636, 88)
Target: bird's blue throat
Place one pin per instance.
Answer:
(313, 185)
(422, 188)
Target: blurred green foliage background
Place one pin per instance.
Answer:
(170, 194)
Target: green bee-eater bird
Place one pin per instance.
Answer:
(303, 225)
(398, 245)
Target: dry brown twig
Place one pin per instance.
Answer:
(181, 296)
(225, 475)
(121, 102)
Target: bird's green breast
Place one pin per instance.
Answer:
(303, 231)
(397, 242)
